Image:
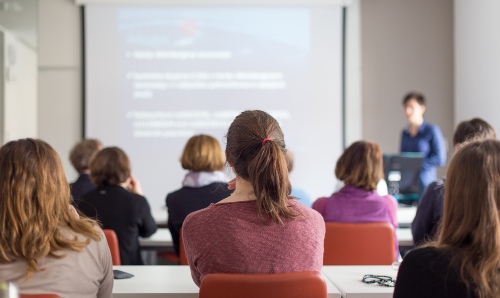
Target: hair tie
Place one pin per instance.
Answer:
(265, 140)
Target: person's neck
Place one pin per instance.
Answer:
(87, 172)
(242, 192)
(414, 127)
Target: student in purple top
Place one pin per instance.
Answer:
(360, 168)
(421, 136)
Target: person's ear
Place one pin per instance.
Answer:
(228, 159)
(423, 109)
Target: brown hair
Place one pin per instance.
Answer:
(34, 205)
(82, 153)
(473, 129)
(419, 97)
(110, 166)
(361, 165)
(470, 226)
(202, 153)
(261, 162)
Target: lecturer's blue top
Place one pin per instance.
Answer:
(429, 141)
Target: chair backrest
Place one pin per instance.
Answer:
(114, 247)
(182, 252)
(359, 244)
(38, 296)
(278, 285)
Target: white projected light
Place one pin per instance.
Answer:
(156, 76)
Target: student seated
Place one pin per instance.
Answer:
(118, 203)
(360, 168)
(45, 247)
(259, 228)
(464, 261)
(204, 184)
(80, 157)
(430, 206)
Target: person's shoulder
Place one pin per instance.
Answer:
(198, 217)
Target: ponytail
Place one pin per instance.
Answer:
(268, 173)
(256, 148)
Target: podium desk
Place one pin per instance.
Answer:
(168, 282)
(347, 279)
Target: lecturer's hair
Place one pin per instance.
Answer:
(261, 162)
(361, 165)
(419, 97)
(470, 226)
(474, 129)
(34, 205)
(202, 153)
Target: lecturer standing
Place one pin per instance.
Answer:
(421, 136)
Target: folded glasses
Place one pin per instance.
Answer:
(382, 280)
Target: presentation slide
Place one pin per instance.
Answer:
(155, 76)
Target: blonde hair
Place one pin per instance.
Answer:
(202, 153)
(34, 205)
(361, 165)
(470, 226)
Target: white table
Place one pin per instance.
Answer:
(160, 216)
(168, 282)
(348, 280)
(161, 239)
(406, 216)
(405, 238)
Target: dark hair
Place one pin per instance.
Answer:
(202, 153)
(82, 153)
(361, 165)
(110, 166)
(473, 129)
(419, 97)
(256, 150)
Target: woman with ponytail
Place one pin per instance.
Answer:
(259, 228)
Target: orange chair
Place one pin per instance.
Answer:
(359, 244)
(279, 285)
(38, 296)
(113, 246)
(182, 252)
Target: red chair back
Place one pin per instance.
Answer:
(114, 247)
(279, 285)
(182, 252)
(359, 244)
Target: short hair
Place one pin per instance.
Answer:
(474, 129)
(82, 153)
(419, 97)
(110, 166)
(34, 200)
(202, 153)
(361, 165)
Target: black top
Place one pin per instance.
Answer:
(429, 212)
(426, 272)
(81, 186)
(127, 213)
(189, 199)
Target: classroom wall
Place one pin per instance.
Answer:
(406, 45)
(401, 45)
(477, 61)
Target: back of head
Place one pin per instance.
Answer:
(470, 224)
(110, 166)
(256, 150)
(34, 203)
(474, 129)
(82, 153)
(202, 153)
(361, 165)
(419, 97)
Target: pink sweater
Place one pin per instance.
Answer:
(230, 238)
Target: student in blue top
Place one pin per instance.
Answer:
(421, 136)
